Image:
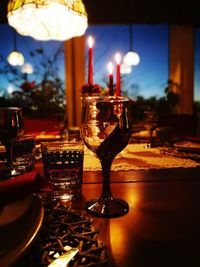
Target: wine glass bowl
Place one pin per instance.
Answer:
(106, 130)
(11, 127)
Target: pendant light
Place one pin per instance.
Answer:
(15, 58)
(125, 69)
(27, 68)
(48, 19)
(131, 58)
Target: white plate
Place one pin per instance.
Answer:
(188, 146)
(14, 211)
(20, 222)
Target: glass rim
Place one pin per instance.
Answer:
(62, 145)
(109, 98)
(10, 108)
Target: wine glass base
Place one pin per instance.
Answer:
(148, 145)
(107, 208)
(14, 172)
(8, 172)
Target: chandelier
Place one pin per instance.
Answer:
(48, 19)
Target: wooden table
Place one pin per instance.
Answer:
(162, 227)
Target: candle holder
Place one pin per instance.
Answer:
(89, 90)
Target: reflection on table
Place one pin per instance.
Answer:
(162, 225)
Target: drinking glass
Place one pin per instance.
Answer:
(11, 127)
(106, 130)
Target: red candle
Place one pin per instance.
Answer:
(110, 72)
(118, 85)
(90, 60)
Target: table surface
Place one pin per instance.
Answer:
(162, 227)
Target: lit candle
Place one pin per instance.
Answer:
(118, 58)
(110, 72)
(90, 60)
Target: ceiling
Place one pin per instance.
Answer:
(135, 11)
(143, 11)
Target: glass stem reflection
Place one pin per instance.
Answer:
(8, 148)
(150, 136)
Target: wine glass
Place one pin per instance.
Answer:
(106, 130)
(150, 123)
(11, 127)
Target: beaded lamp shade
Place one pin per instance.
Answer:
(48, 19)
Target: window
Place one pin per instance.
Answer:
(147, 79)
(40, 88)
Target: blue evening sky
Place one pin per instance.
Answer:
(149, 78)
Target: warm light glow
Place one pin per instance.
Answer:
(15, 58)
(10, 89)
(131, 59)
(48, 19)
(125, 69)
(90, 42)
(110, 68)
(117, 237)
(118, 58)
(27, 68)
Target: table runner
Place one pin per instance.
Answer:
(138, 157)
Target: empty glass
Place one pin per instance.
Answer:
(106, 130)
(11, 127)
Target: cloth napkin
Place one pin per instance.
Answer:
(20, 186)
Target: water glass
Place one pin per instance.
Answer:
(24, 153)
(73, 134)
(63, 168)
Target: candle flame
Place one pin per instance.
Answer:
(118, 58)
(110, 68)
(90, 41)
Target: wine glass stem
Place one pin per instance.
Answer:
(106, 167)
(8, 148)
(150, 136)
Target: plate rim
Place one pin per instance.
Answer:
(182, 145)
(37, 208)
